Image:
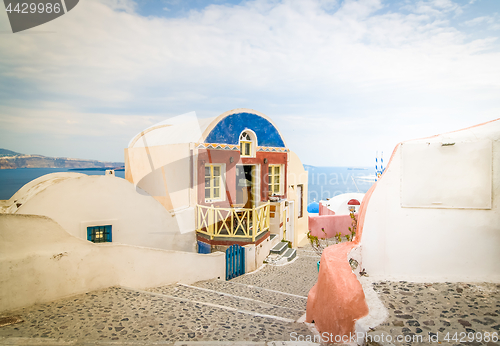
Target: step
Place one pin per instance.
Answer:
(210, 296)
(290, 254)
(142, 318)
(279, 248)
(269, 296)
(309, 252)
(295, 277)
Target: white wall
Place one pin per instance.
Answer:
(255, 255)
(436, 242)
(466, 165)
(297, 175)
(338, 204)
(137, 218)
(40, 262)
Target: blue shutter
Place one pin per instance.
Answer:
(108, 233)
(89, 233)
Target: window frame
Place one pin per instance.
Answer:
(248, 137)
(271, 177)
(221, 187)
(300, 196)
(243, 146)
(105, 231)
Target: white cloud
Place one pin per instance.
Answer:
(434, 7)
(492, 22)
(289, 58)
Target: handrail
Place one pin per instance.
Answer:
(233, 222)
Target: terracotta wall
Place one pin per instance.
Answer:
(224, 156)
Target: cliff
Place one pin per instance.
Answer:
(10, 159)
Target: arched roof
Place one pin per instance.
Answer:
(224, 129)
(36, 186)
(339, 204)
(313, 207)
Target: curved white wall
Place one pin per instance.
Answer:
(338, 204)
(442, 224)
(40, 262)
(137, 218)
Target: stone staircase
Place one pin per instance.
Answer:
(241, 295)
(265, 307)
(281, 254)
(242, 298)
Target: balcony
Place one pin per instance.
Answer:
(238, 223)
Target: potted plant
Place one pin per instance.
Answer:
(320, 243)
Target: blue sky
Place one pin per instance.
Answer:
(341, 79)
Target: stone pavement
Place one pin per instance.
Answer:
(260, 308)
(256, 308)
(439, 313)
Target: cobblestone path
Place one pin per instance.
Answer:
(263, 306)
(439, 313)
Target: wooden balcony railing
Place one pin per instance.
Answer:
(233, 222)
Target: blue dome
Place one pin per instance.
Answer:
(313, 207)
(228, 130)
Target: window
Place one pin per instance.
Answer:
(274, 182)
(99, 234)
(248, 143)
(245, 144)
(300, 196)
(213, 182)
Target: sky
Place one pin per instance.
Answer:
(341, 79)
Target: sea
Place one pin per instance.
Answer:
(12, 180)
(324, 182)
(328, 182)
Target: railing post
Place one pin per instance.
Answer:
(211, 219)
(253, 224)
(232, 211)
(198, 228)
(268, 215)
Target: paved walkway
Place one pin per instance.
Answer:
(446, 313)
(256, 308)
(260, 308)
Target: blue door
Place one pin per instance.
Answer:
(203, 247)
(235, 261)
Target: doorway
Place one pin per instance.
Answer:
(246, 185)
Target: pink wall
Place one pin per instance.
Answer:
(323, 210)
(337, 300)
(332, 224)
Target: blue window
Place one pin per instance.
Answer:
(99, 234)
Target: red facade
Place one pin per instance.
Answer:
(211, 156)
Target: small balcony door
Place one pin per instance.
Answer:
(247, 186)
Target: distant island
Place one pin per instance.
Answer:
(10, 160)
